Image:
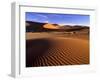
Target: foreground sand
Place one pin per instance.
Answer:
(53, 51)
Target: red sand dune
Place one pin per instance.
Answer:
(57, 51)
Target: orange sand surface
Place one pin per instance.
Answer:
(49, 50)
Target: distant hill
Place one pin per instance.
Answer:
(34, 26)
(75, 27)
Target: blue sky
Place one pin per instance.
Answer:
(67, 19)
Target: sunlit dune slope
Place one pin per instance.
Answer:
(50, 26)
(57, 51)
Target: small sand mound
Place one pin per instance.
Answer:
(51, 26)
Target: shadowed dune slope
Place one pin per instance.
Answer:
(56, 51)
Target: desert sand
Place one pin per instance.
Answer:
(45, 49)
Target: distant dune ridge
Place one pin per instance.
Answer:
(51, 45)
(40, 27)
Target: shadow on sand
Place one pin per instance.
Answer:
(35, 48)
